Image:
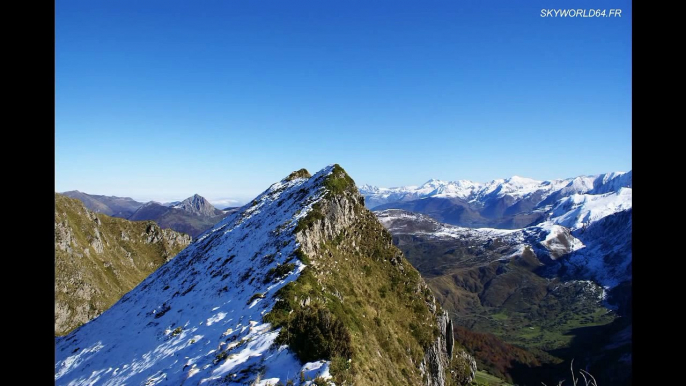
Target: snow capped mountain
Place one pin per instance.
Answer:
(515, 187)
(580, 210)
(550, 240)
(173, 328)
(591, 231)
(607, 254)
(220, 311)
(611, 182)
(511, 203)
(539, 277)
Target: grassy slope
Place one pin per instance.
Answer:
(484, 378)
(88, 282)
(356, 280)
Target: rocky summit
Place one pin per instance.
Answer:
(300, 286)
(198, 205)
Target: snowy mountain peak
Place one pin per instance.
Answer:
(432, 183)
(208, 300)
(580, 210)
(271, 294)
(515, 187)
(522, 181)
(368, 189)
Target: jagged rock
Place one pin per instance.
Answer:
(97, 245)
(338, 214)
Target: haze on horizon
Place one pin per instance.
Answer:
(159, 100)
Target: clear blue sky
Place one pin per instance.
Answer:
(163, 99)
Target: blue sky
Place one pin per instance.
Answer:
(163, 99)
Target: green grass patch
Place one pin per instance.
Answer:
(302, 173)
(500, 316)
(485, 379)
(278, 272)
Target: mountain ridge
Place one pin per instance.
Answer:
(114, 206)
(515, 186)
(240, 303)
(192, 215)
(512, 203)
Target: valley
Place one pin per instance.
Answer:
(544, 288)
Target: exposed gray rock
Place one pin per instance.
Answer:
(63, 237)
(339, 213)
(96, 243)
(437, 357)
(198, 205)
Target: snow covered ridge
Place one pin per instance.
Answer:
(198, 318)
(517, 187)
(550, 239)
(580, 210)
(590, 234)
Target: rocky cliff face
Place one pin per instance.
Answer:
(441, 364)
(99, 258)
(341, 219)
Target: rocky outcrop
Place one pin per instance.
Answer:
(338, 214)
(342, 216)
(440, 360)
(463, 369)
(99, 258)
(437, 357)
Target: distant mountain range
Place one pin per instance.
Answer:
(121, 207)
(193, 215)
(568, 274)
(511, 203)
